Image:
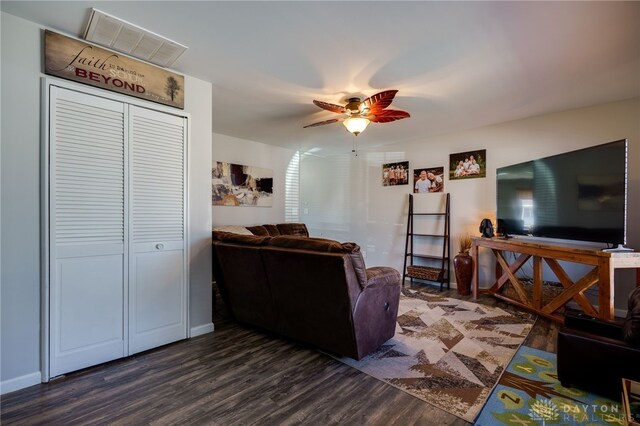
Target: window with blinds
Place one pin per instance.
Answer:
(292, 190)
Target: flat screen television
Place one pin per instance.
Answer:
(578, 195)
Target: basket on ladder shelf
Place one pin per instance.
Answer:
(425, 272)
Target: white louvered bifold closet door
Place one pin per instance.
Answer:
(157, 277)
(87, 240)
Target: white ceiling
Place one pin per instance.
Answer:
(457, 65)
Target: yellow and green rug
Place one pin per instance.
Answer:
(529, 394)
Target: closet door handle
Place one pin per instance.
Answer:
(159, 246)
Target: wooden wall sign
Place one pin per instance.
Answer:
(85, 63)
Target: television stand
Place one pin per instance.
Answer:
(620, 248)
(603, 264)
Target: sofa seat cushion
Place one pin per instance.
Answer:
(252, 240)
(631, 330)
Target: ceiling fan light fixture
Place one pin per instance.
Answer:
(356, 125)
(356, 114)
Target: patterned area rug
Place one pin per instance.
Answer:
(447, 352)
(529, 394)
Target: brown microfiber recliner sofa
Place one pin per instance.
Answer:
(309, 289)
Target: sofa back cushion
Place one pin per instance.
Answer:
(306, 243)
(233, 229)
(264, 230)
(314, 293)
(258, 230)
(326, 246)
(357, 260)
(293, 229)
(631, 328)
(252, 240)
(272, 230)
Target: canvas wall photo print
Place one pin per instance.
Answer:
(428, 179)
(395, 173)
(239, 185)
(468, 165)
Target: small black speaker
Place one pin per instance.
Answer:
(486, 228)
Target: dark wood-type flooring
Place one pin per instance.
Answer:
(237, 375)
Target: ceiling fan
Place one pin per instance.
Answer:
(358, 114)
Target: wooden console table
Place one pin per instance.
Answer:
(604, 264)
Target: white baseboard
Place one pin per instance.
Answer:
(21, 382)
(202, 329)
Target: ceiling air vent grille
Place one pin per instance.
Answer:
(122, 36)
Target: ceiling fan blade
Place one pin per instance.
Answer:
(379, 101)
(330, 107)
(388, 115)
(322, 123)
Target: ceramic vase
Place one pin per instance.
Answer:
(463, 267)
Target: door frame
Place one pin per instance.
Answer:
(45, 311)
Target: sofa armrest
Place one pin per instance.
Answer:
(577, 320)
(376, 309)
(381, 276)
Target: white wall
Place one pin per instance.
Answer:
(345, 199)
(241, 151)
(20, 216)
(197, 101)
(20, 203)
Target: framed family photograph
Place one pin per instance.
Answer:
(395, 173)
(240, 185)
(468, 165)
(428, 179)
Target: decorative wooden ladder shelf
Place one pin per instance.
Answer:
(438, 270)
